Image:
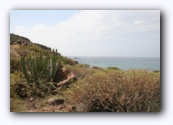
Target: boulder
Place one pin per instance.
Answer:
(59, 76)
(64, 77)
(63, 74)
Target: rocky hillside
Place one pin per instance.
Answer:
(16, 39)
(21, 46)
(37, 65)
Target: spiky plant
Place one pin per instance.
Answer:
(39, 67)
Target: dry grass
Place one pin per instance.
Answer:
(17, 105)
(117, 91)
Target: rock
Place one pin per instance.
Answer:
(64, 77)
(65, 72)
(15, 39)
(59, 76)
(59, 84)
(70, 76)
(67, 81)
(55, 101)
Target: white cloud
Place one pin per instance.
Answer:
(137, 22)
(87, 31)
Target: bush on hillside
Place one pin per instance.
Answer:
(113, 68)
(117, 91)
(69, 61)
(14, 63)
(81, 71)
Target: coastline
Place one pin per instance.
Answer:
(123, 63)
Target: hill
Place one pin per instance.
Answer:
(43, 80)
(36, 70)
(21, 46)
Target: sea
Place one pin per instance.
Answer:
(124, 63)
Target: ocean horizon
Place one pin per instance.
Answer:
(124, 63)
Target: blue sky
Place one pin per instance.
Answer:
(128, 33)
(28, 18)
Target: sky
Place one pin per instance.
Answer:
(118, 33)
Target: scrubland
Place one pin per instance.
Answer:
(96, 89)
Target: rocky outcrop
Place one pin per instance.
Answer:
(64, 77)
(16, 39)
(20, 40)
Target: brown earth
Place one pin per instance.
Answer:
(39, 105)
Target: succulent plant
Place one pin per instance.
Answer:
(40, 67)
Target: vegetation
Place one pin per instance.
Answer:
(81, 71)
(114, 68)
(39, 73)
(69, 61)
(116, 91)
(33, 68)
(40, 68)
(156, 71)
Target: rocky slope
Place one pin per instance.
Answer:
(20, 48)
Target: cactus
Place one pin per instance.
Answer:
(40, 68)
(39, 71)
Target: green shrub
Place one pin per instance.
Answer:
(156, 71)
(114, 68)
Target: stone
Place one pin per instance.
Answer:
(65, 72)
(64, 77)
(59, 76)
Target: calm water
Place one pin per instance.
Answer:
(124, 63)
